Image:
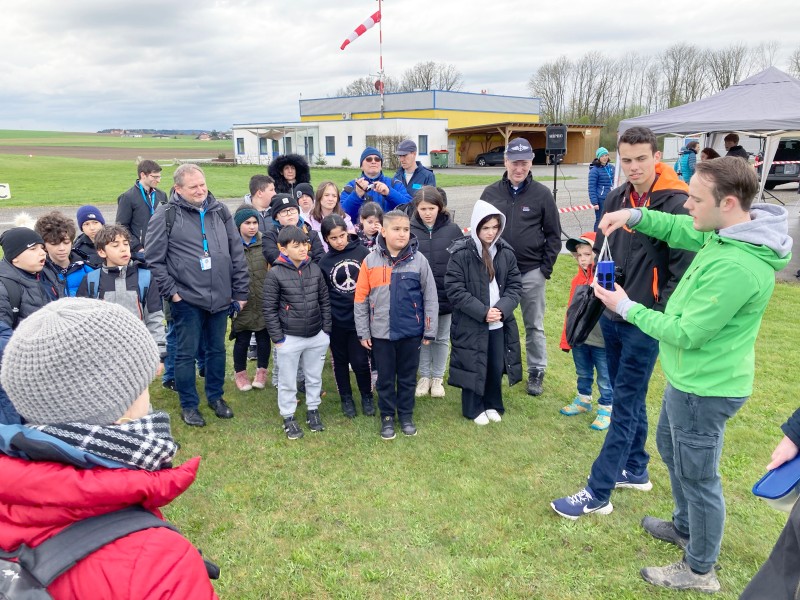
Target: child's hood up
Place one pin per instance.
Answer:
(481, 210)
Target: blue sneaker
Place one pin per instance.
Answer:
(582, 503)
(641, 482)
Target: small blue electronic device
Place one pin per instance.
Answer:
(605, 274)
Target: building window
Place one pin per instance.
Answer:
(262, 146)
(275, 148)
(422, 145)
(330, 145)
(287, 145)
(349, 141)
(239, 145)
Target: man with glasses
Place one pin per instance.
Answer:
(195, 252)
(137, 205)
(373, 186)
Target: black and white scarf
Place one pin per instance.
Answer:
(144, 443)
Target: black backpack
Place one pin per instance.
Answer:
(27, 578)
(14, 298)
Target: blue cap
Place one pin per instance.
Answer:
(89, 213)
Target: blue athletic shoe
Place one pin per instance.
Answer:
(641, 482)
(582, 503)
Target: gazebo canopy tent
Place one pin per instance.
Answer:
(766, 105)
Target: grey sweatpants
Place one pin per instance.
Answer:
(293, 352)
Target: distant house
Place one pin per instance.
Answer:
(203, 137)
(161, 135)
(116, 131)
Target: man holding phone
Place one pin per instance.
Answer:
(373, 185)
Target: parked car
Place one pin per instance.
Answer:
(788, 149)
(494, 156)
(540, 157)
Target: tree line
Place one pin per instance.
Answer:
(595, 88)
(429, 75)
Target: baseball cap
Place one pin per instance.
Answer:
(405, 147)
(519, 149)
(586, 238)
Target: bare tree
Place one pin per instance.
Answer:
(794, 62)
(365, 86)
(764, 55)
(550, 83)
(431, 75)
(726, 66)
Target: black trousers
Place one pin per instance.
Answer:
(346, 349)
(473, 404)
(397, 363)
(242, 342)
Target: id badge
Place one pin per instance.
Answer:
(205, 263)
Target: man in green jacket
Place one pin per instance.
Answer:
(706, 336)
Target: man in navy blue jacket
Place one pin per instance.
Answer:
(411, 171)
(373, 185)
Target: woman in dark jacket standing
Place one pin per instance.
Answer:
(483, 284)
(288, 170)
(601, 180)
(435, 231)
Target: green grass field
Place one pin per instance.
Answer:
(60, 181)
(460, 511)
(14, 137)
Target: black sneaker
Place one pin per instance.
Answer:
(387, 428)
(535, 379)
(292, 429)
(348, 407)
(221, 409)
(368, 405)
(252, 353)
(665, 531)
(192, 416)
(169, 384)
(314, 421)
(408, 428)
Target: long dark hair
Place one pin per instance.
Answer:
(485, 255)
(431, 195)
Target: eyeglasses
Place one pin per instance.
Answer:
(372, 159)
(289, 211)
(154, 175)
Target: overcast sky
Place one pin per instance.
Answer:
(84, 65)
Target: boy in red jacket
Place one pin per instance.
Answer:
(591, 355)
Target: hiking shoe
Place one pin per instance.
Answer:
(603, 419)
(169, 384)
(535, 379)
(221, 409)
(291, 428)
(314, 421)
(437, 389)
(481, 419)
(348, 407)
(192, 416)
(582, 503)
(493, 415)
(423, 387)
(387, 428)
(679, 576)
(580, 404)
(260, 380)
(242, 381)
(641, 482)
(408, 428)
(665, 531)
(368, 405)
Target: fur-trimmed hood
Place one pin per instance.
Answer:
(275, 171)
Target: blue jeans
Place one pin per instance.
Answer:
(631, 357)
(689, 437)
(588, 359)
(169, 360)
(193, 326)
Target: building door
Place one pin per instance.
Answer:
(451, 152)
(309, 143)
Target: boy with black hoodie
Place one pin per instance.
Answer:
(118, 281)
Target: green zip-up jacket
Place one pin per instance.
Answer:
(707, 332)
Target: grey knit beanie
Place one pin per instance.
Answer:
(78, 360)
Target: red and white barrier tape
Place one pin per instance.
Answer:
(569, 209)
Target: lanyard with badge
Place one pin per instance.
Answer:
(151, 202)
(205, 260)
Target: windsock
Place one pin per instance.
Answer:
(368, 24)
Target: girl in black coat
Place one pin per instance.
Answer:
(288, 170)
(435, 231)
(483, 284)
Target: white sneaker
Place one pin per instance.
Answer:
(481, 419)
(423, 387)
(493, 415)
(437, 389)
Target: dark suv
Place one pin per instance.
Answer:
(788, 149)
(494, 156)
